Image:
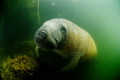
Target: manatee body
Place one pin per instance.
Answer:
(67, 40)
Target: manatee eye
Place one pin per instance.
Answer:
(63, 29)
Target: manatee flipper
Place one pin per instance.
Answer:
(37, 51)
(73, 61)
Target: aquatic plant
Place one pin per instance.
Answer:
(18, 61)
(20, 68)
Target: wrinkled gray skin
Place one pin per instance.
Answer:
(51, 36)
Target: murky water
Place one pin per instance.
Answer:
(101, 18)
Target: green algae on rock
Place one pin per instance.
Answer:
(20, 68)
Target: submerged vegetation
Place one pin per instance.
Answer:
(19, 20)
(20, 68)
(21, 62)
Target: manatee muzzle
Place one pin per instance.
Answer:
(41, 39)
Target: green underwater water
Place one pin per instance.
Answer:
(100, 18)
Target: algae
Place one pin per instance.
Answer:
(19, 61)
(20, 68)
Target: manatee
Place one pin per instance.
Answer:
(66, 39)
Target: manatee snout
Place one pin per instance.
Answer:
(42, 38)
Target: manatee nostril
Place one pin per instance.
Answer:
(42, 34)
